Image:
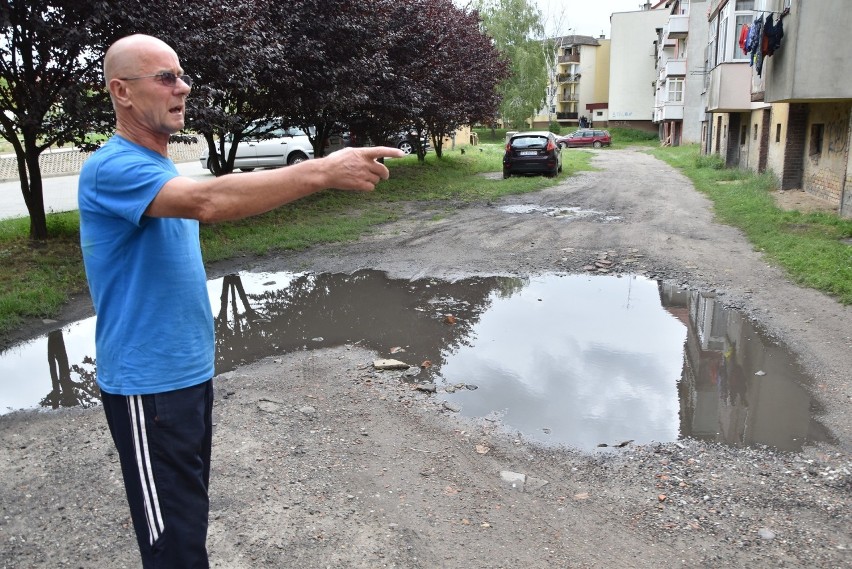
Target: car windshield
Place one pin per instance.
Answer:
(529, 142)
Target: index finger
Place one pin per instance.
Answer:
(374, 152)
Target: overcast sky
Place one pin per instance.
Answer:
(586, 17)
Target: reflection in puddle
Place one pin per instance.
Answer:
(573, 360)
(570, 212)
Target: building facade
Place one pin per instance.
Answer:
(783, 106)
(633, 63)
(680, 82)
(578, 85)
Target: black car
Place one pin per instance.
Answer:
(535, 152)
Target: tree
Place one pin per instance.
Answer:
(238, 53)
(51, 88)
(465, 71)
(517, 31)
(337, 52)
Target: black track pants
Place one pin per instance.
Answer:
(164, 443)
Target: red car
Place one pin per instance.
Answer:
(585, 137)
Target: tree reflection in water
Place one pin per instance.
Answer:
(367, 307)
(66, 391)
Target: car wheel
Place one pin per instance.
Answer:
(213, 167)
(563, 146)
(295, 158)
(597, 144)
(406, 147)
(506, 174)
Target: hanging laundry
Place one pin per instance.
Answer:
(768, 29)
(744, 37)
(754, 38)
(775, 35)
(762, 43)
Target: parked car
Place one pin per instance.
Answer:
(586, 137)
(404, 140)
(279, 147)
(534, 152)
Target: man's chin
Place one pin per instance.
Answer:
(177, 124)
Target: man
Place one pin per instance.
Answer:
(154, 340)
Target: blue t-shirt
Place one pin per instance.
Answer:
(154, 320)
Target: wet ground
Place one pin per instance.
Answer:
(321, 460)
(584, 361)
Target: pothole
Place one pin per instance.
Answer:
(586, 361)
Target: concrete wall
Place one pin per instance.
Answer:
(631, 100)
(814, 60)
(603, 54)
(693, 91)
(66, 161)
(720, 134)
(777, 139)
(758, 126)
(825, 171)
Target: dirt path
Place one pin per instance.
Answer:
(320, 461)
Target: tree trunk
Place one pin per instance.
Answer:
(29, 172)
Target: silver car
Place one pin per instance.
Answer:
(279, 147)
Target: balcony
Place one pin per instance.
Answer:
(730, 88)
(569, 98)
(675, 68)
(566, 116)
(678, 27)
(671, 111)
(568, 77)
(570, 58)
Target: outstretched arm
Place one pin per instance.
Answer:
(238, 196)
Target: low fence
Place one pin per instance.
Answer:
(68, 162)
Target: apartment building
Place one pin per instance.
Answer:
(785, 108)
(578, 86)
(680, 82)
(633, 63)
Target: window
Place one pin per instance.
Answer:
(778, 132)
(723, 40)
(817, 132)
(744, 5)
(742, 20)
(743, 134)
(755, 131)
(711, 46)
(675, 90)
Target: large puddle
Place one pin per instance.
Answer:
(575, 360)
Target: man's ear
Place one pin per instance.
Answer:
(119, 92)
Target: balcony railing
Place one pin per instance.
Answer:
(675, 68)
(570, 98)
(568, 77)
(570, 58)
(678, 27)
(566, 116)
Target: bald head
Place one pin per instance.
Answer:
(129, 56)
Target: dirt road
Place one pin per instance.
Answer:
(321, 461)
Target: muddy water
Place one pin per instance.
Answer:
(586, 361)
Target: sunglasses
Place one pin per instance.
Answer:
(167, 78)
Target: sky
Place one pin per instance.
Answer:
(582, 17)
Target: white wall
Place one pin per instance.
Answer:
(632, 60)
